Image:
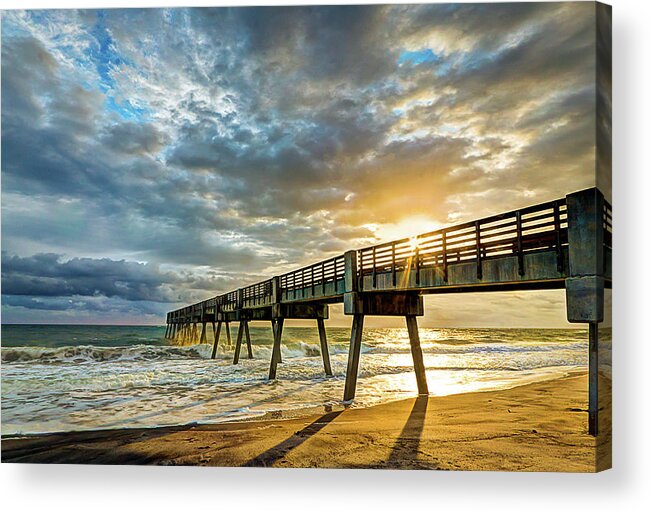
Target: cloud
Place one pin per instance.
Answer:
(227, 144)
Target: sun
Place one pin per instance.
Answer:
(408, 227)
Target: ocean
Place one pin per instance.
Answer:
(64, 378)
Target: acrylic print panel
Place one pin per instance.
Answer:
(332, 237)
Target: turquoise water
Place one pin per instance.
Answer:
(59, 378)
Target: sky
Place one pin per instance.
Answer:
(156, 157)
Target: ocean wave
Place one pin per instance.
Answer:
(90, 353)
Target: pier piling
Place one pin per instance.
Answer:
(593, 378)
(275, 353)
(217, 333)
(238, 343)
(323, 340)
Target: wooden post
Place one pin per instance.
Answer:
(214, 346)
(593, 384)
(238, 344)
(248, 340)
(275, 354)
(417, 355)
(167, 330)
(478, 249)
(353, 357)
(393, 264)
(557, 229)
(444, 250)
(203, 333)
(518, 223)
(324, 346)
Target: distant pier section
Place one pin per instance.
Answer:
(566, 243)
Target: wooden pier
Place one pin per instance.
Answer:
(566, 243)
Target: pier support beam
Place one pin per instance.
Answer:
(323, 340)
(238, 343)
(228, 333)
(243, 331)
(203, 333)
(584, 288)
(417, 354)
(593, 386)
(360, 304)
(273, 333)
(217, 333)
(248, 340)
(275, 353)
(353, 357)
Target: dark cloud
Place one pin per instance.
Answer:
(212, 143)
(47, 275)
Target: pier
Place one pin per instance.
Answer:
(565, 243)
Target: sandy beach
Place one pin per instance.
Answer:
(536, 427)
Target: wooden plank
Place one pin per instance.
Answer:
(324, 347)
(417, 355)
(353, 357)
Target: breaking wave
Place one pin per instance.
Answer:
(94, 354)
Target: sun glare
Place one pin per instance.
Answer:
(409, 227)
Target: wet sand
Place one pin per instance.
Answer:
(536, 427)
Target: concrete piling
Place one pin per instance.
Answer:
(323, 340)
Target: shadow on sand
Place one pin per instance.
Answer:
(275, 453)
(407, 443)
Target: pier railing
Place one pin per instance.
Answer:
(518, 233)
(320, 279)
(536, 228)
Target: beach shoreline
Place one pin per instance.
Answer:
(540, 426)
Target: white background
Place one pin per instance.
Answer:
(626, 487)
